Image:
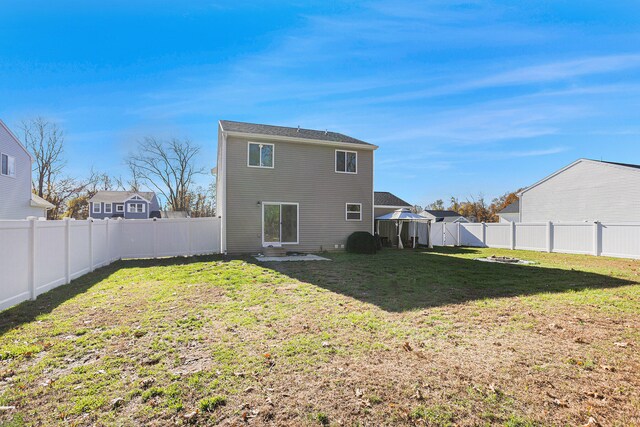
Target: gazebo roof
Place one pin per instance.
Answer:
(403, 214)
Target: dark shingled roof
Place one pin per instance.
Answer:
(511, 208)
(629, 165)
(384, 198)
(442, 214)
(231, 126)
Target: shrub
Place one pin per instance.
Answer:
(361, 242)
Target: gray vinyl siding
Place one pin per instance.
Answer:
(15, 192)
(134, 215)
(586, 191)
(304, 174)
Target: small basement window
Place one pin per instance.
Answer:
(354, 212)
(260, 155)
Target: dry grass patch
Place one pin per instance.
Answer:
(399, 338)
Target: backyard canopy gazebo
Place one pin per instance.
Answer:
(400, 216)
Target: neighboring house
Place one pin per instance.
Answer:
(510, 213)
(17, 201)
(585, 190)
(124, 204)
(385, 202)
(174, 214)
(305, 190)
(443, 216)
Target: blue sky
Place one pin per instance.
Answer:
(463, 97)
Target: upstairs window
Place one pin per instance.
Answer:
(260, 155)
(8, 165)
(354, 212)
(346, 161)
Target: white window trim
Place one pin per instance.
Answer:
(335, 161)
(9, 156)
(297, 242)
(120, 208)
(346, 211)
(130, 205)
(273, 155)
(110, 208)
(97, 205)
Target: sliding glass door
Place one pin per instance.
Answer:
(279, 223)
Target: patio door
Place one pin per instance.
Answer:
(279, 223)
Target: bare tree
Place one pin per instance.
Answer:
(45, 141)
(168, 166)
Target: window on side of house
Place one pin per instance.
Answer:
(354, 212)
(346, 161)
(260, 155)
(136, 207)
(8, 165)
(97, 207)
(107, 208)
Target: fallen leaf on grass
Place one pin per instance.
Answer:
(591, 423)
(561, 403)
(7, 408)
(407, 346)
(623, 344)
(117, 402)
(608, 368)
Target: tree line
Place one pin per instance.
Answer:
(477, 208)
(166, 166)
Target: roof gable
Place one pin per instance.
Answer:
(15, 138)
(513, 207)
(627, 166)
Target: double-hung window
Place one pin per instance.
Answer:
(346, 161)
(136, 207)
(8, 165)
(97, 207)
(354, 212)
(107, 208)
(260, 155)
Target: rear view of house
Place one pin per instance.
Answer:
(17, 201)
(124, 204)
(305, 190)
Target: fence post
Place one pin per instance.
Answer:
(549, 236)
(189, 221)
(155, 238)
(484, 234)
(596, 238)
(513, 235)
(67, 248)
(90, 244)
(108, 243)
(32, 258)
(458, 237)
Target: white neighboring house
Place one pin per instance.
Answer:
(510, 213)
(17, 201)
(585, 190)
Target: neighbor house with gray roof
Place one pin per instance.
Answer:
(124, 204)
(443, 216)
(510, 213)
(17, 200)
(299, 189)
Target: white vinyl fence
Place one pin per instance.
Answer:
(36, 256)
(599, 239)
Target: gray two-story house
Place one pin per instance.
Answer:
(124, 204)
(17, 201)
(304, 190)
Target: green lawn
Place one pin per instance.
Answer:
(398, 338)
